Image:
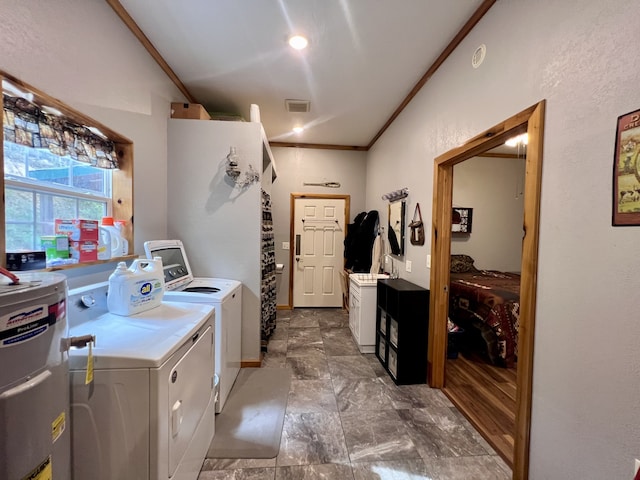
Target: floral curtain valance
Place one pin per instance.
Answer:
(27, 124)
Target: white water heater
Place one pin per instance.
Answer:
(34, 378)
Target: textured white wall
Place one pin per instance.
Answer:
(582, 57)
(296, 166)
(493, 187)
(219, 223)
(80, 52)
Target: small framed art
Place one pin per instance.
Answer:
(626, 171)
(461, 220)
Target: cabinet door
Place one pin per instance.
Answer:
(354, 316)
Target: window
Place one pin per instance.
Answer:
(57, 163)
(41, 186)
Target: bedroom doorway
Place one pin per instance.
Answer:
(486, 259)
(530, 121)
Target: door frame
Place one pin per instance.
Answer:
(292, 209)
(531, 121)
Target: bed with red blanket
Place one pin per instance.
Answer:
(487, 303)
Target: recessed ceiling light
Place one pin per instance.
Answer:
(298, 42)
(298, 130)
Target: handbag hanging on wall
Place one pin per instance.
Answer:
(417, 227)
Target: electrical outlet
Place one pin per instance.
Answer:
(428, 261)
(285, 245)
(637, 466)
(408, 265)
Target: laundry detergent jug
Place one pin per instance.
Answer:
(104, 244)
(119, 244)
(137, 288)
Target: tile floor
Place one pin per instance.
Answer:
(347, 420)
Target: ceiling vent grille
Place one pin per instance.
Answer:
(478, 56)
(298, 106)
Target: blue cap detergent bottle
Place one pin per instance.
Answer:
(137, 288)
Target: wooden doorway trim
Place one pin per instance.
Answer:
(530, 120)
(292, 210)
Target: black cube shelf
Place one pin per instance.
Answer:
(402, 325)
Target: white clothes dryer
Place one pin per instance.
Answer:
(224, 294)
(149, 410)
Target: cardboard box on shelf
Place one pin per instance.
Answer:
(193, 111)
(84, 251)
(78, 229)
(55, 246)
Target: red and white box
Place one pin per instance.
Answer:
(78, 229)
(84, 251)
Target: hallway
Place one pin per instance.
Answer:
(346, 419)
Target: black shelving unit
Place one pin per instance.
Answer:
(402, 325)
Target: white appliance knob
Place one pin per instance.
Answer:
(88, 300)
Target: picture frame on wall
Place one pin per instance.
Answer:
(626, 171)
(461, 220)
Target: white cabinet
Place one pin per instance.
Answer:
(362, 310)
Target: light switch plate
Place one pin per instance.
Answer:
(285, 245)
(408, 265)
(428, 261)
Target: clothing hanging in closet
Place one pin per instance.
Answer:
(268, 284)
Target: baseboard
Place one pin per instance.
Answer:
(251, 364)
(284, 307)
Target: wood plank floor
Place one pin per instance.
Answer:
(486, 395)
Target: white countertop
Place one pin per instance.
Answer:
(366, 279)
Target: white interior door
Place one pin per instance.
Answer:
(318, 252)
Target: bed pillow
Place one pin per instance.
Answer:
(462, 264)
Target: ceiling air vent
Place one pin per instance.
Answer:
(298, 106)
(478, 56)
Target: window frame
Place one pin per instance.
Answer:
(122, 177)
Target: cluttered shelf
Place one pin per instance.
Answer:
(75, 243)
(69, 266)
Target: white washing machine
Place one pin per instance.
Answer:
(226, 297)
(149, 411)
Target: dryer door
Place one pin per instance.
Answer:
(190, 391)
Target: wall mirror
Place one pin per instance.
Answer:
(396, 227)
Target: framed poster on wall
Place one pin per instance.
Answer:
(626, 171)
(461, 220)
